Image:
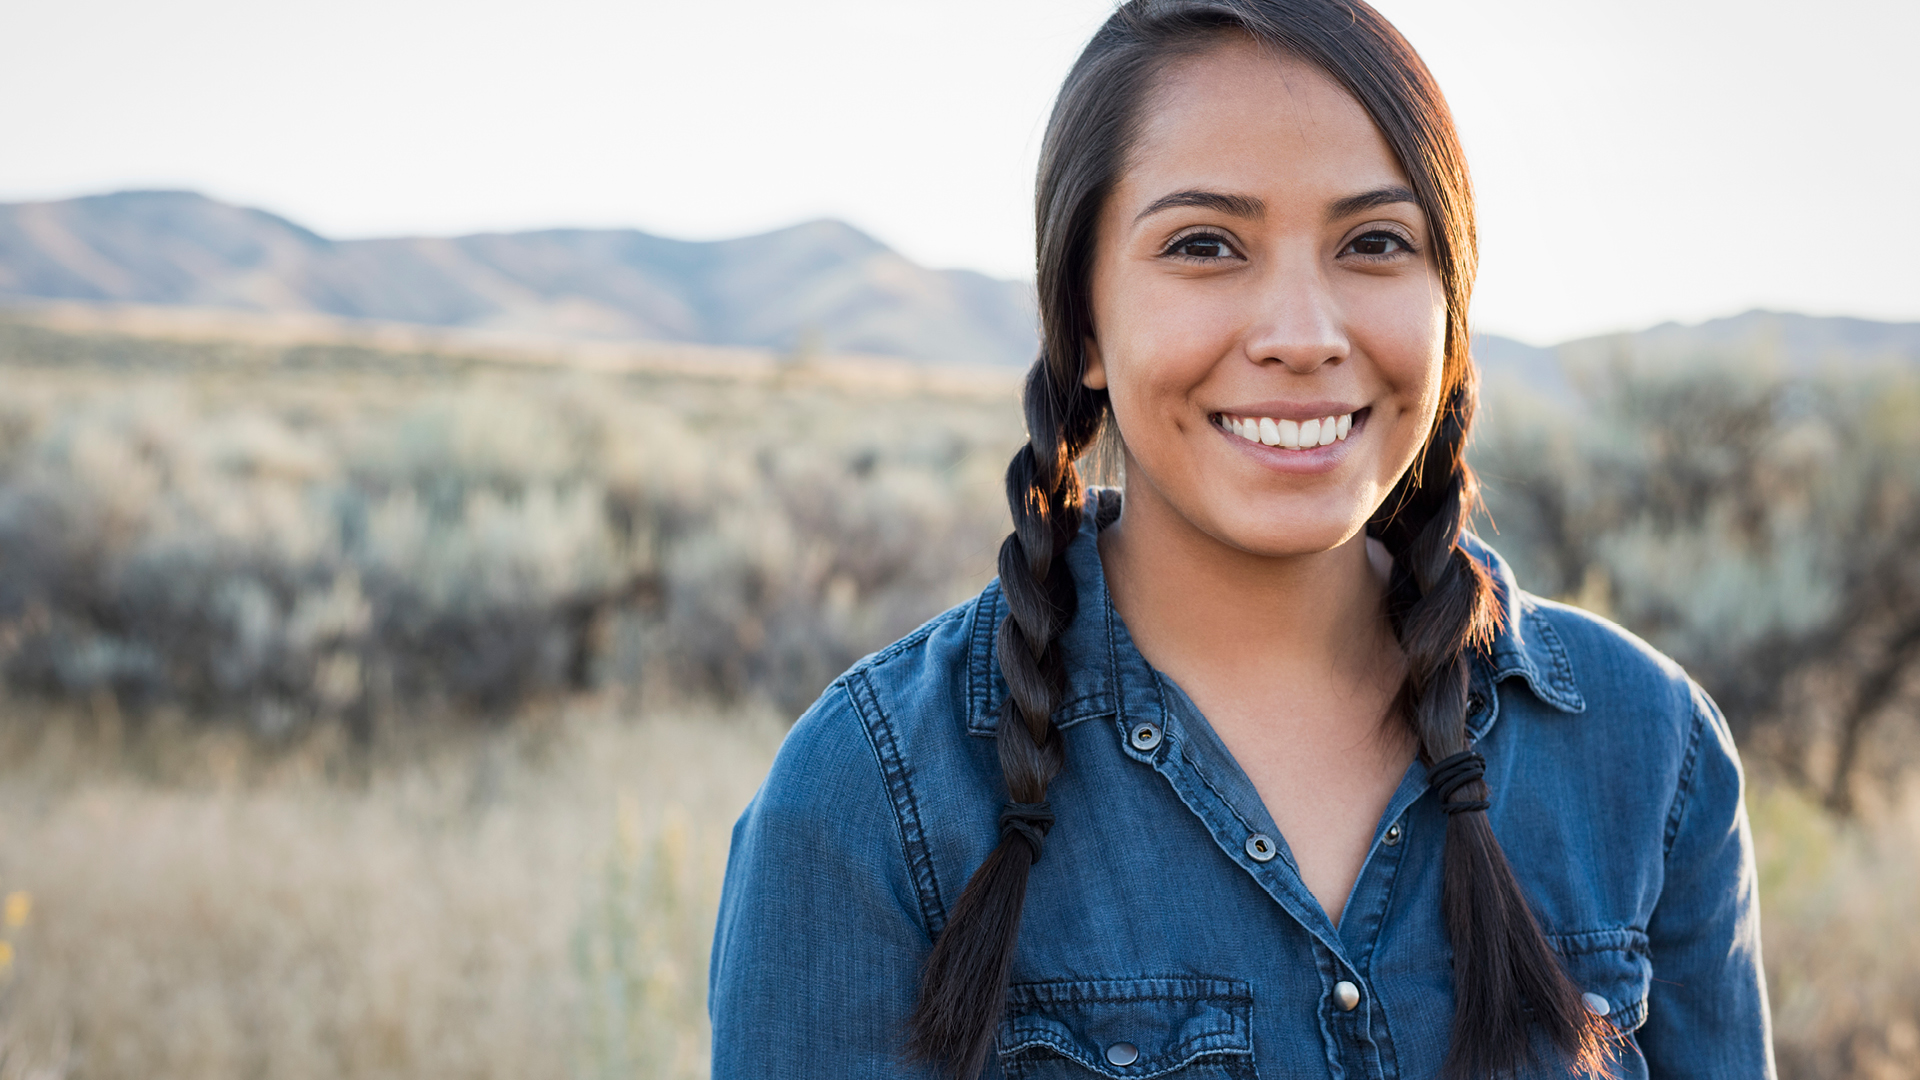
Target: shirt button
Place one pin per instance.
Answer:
(1596, 1004)
(1144, 737)
(1122, 1054)
(1260, 846)
(1346, 995)
(1393, 835)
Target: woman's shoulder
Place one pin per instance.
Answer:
(831, 874)
(1606, 660)
(1597, 709)
(880, 764)
(950, 656)
(1581, 664)
(924, 688)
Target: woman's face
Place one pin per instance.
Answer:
(1268, 320)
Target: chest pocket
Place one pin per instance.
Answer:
(1614, 980)
(1188, 1029)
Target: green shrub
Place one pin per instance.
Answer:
(281, 542)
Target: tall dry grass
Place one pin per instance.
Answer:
(1840, 915)
(537, 901)
(527, 902)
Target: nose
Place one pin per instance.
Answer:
(1296, 323)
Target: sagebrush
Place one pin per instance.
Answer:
(265, 535)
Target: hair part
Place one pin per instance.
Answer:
(1508, 983)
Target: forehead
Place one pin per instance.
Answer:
(1244, 117)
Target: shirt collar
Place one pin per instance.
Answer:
(1106, 671)
(1526, 645)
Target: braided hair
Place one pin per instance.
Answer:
(1442, 604)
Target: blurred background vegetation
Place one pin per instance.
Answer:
(374, 712)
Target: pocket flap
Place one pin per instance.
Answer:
(1612, 968)
(1130, 1027)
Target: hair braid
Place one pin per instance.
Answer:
(963, 987)
(1505, 974)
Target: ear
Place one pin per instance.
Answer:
(1093, 371)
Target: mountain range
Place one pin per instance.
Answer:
(822, 285)
(1779, 342)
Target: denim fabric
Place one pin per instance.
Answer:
(1149, 921)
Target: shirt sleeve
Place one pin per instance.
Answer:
(1707, 1009)
(820, 940)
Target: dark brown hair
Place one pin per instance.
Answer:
(1507, 980)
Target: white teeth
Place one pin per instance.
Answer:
(1291, 434)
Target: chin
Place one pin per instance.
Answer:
(1281, 534)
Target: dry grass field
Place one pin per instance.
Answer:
(535, 901)
(382, 712)
(525, 902)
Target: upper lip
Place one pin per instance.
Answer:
(1299, 411)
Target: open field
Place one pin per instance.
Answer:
(379, 708)
(535, 902)
(531, 902)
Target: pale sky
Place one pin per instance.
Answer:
(1637, 160)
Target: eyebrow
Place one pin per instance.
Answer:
(1240, 206)
(1367, 200)
(1246, 206)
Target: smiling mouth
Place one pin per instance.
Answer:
(1290, 434)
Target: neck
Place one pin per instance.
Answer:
(1233, 626)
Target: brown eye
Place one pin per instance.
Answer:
(1202, 246)
(1378, 243)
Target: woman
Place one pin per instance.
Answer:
(1266, 768)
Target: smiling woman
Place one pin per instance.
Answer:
(1247, 706)
(1240, 333)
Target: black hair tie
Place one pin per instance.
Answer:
(1453, 773)
(1028, 820)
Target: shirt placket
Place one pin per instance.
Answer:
(1352, 1022)
(1365, 1043)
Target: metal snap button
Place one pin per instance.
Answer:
(1261, 847)
(1346, 995)
(1596, 1004)
(1122, 1054)
(1144, 737)
(1393, 835)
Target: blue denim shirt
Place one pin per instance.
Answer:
(1156, 918)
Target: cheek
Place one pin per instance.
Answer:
(1406, 335)
(1158, 349)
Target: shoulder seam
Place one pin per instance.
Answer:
(981, 664)
(915, 639)
(895, 774)
(1684, 788)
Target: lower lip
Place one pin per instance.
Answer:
(1300, 462)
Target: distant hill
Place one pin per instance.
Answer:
(1778, 341)
(823, 284)
(1796, 344)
